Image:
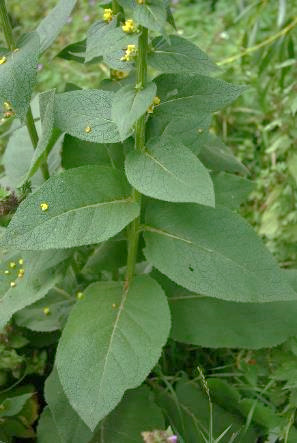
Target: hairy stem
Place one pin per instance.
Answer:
(134, 227)
(11, 43)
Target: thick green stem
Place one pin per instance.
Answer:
(10, 41)
(134, 227)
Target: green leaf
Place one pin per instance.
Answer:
(134, 326)
(13, 405)
(41, 274)
(32, 317)
(185, 95)
(75, 51)
(129, 104)
(188, 412)
(151, 14)
(136, 413)
(213, 252)
(176, 54)
(215, 323)
(169, 171)
(50, 27)
(76, 152)
(108, 256)
(17, 159)
(110, 42)
(48, 137)
(215, 155)
(18, 74)
(231, 190)
(46, 429)
(86, 114)
(70, 427)
(85, 205)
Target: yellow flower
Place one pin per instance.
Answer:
(44, 206)
(21, 261)
(119, 75)
(12, 284)
(156, 102)
(80, 295)
(107, 15)
(130, 53)
(88, 129)
(129, 26)
(140, 2)
(21, 273)
(7, 106)
(46, 311)
(12, 264)
(3, 60)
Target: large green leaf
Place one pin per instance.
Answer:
(215, 155)
(169, 171)
(18, 74)
(17, 159)
(185, 95)
(69, 425)
(213, 252)
(188, 412)
(48, 137)
(110, 42)
(40, 276)
(219, 324)
(47, 431)
(133, 327)
(50, 27)
(129, 104)
(136, 413)
(151, 14)
(86, 114)
(176, 54)
(85, 205)
(231, 190)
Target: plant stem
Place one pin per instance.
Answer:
(11, 43)
(134, 227)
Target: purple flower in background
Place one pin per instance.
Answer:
(86, 18)
(39, 66)
(69, 20)
(172, 439)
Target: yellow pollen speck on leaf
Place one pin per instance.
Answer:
(21, 261)
(46, 311)
(113, 305)
(44, 206)
(129, 26)
(80, 295)
(88, 129)
(12, 284)
(107, 15)
(6, 272)
(12, 264)
(3, 60)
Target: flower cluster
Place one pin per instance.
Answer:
(130, 53)
(107, 15)
(129, 26)
(156, 102)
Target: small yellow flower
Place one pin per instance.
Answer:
(113, 306)
(140, 2)
(12, 264)
(119, 75)
(6, 272)
(129, 26)
(46, 310)
(80, 295)
(44, 206)
(107, 15)
(156, 102)
(3, 60)
(7, 106)
(21, 273)
(130, 53)
(12, 284)
(200, 130)
(88, 129)
(21, 261)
